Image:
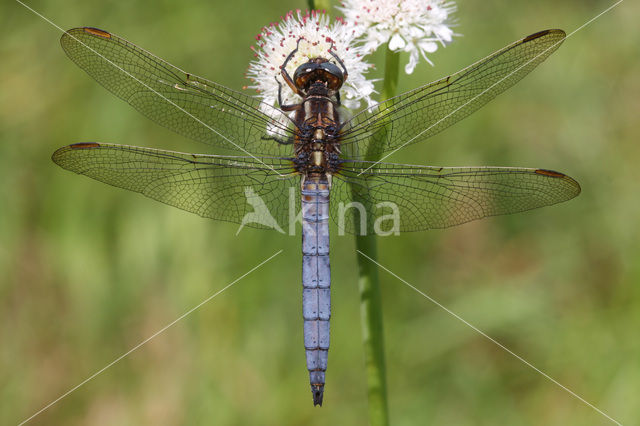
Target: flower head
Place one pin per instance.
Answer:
(315, 36)
(413, 26)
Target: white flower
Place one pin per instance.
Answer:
(317, 36)
(413, 26)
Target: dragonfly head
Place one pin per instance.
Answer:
(318, 70)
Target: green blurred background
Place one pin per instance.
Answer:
(88, 271)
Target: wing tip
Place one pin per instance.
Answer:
(58, 153)
(558, 175)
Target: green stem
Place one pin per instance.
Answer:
(372, 334)
(319, 5)
(391, 67)
(369, 285)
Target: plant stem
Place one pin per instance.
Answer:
(390, 81)
(372, 333)
(369, 285)
(320, 5)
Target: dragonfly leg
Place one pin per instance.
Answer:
(345, 74)
(338, 97)
(288, 141)
(290, 107)
(285, 75)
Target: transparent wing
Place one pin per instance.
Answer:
(233, 189)
(187, 104)
(439, 197)
(421, 113)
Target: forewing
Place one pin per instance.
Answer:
(233, 189)
(421, 113)
(187, 104)
(439, 197)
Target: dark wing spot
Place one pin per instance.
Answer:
(84, 145)
(97, 32)
(550, 173)
(535, 35)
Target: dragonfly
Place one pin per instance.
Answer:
(307, 146)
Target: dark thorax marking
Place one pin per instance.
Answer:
(317, 141)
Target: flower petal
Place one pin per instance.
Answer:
(413, 61)
(397, 42)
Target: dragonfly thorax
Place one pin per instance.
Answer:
(317, 142)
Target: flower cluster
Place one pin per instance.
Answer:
(414, 26)
(315, 36)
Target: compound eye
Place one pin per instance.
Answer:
(332, 69)
(303, 74)
(334, 76)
